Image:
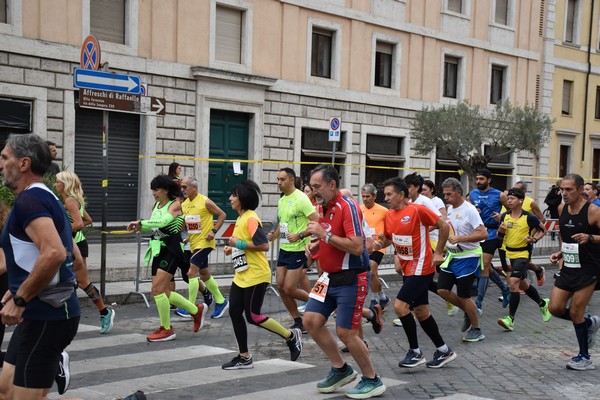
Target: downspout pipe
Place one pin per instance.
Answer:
(587, 83)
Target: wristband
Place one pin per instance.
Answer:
(240, 244)
(535, 240)
(214, 231)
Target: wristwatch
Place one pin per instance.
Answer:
(19, 301)
(591, 239)
(214, 230)
(301, 235)
(328, 236)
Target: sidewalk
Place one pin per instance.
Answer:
(122, 258)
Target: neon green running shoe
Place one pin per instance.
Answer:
(544, 311)
(506, 323)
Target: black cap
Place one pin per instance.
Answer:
(484, 172)
(518, 193)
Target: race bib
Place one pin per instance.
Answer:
(192, 223)
(319, 291)
(570, 252)
(404, 246)
(239, 260)
(373, 233)
(283, 231)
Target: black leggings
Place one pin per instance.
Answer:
(246, 301)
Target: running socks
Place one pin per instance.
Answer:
(94, 294)
(430, 327)
(181, 302)
(164, 311)
(194, 285)
(535, 296)
(482, 286)
(213, 288)
(515, 298)
(410, 328)
(581, 330)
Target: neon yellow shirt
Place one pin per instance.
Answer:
(258, 267)
(198, 222)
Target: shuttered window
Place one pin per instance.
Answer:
(566, 97)
(322, 45)
(451, 65)
(383, 64)
(501, 14)
(107, 20)
(497, 85)
(3, 18)
(570, 26)
(455, 6)
(228, 35)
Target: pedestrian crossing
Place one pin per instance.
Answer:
(111, 366)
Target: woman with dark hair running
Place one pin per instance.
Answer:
(166, 251)
(247, 246)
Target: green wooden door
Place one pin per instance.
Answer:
(229, 141)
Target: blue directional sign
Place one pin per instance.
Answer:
(100, 80)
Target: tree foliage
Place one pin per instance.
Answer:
(459, 132)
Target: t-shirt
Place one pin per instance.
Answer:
(408, 229)
(426, 201)
(198, 222)
(375, 217)
(434, 235)
(21, 253)
(516, 230)
(249, 229)
(292, 212)
(487, 203)
(463, 220)
(342, 217)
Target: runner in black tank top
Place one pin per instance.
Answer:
(580, 251)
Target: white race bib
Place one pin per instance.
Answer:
(319, 291)
(239, 261)
(570, 253)
(404, 246)
(192, 223)
(283, 231)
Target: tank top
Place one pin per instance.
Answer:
(589, 253)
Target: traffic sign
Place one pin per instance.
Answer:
(100, 80)
(153, 105)
(110, 101)
(90, 53)
(335, 128)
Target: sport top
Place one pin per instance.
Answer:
(198, 221)
(487, 203)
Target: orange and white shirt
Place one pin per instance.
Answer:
(375, 217)
(408, 229)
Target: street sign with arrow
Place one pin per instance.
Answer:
(100, 80)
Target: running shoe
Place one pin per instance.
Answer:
(139, 395)
(295, 344)
(373, 302)
(473, 335)
(336, 379)
(300, 326)
(220, 309)
(63, 376)
(376, 320)
(580, 363)
(452, 309)
(592, 329)
(384, 303)
(199, 317)
(397, 322)
(412, 359)
(161, 335)
(106, 321)
(506, 322)
(466, 323)
(183, 313)
(440, 358)
(366, 388)
(239, 362)
(208, 299)
(302, 307)
(544, 311)
(505, 296)
(540, 275)
(172, 307)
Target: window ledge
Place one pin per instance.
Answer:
(504, 27)
(456, 15)
(317, 80)
(571, 44)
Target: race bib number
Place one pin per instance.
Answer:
(319, 291)
(283, 231)
(192, 223)
(239, 260)
(373, 233)
(570, 252)
(404, 246)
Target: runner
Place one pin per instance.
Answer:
(68, 187)
(166, 251)
(342, 286)
(199, 212)
(575, 282)
(463, 260)
(407, 229)
(518, 231)
(247, 246)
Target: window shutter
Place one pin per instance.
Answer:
(566, 98)
(107, 20)
(385, 48)
(570, 28)
(501, 16)
(455, 6)
(228, 38)
(3, 18)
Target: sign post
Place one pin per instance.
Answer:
(335, 129)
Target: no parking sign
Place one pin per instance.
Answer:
(335, 128)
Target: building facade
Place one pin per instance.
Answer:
(258, 80)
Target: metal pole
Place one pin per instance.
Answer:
(104, 201)
(333, 153)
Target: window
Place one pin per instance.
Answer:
(500, 166)
(3, 13)
(451, 65)
(501, 12)
(228, 37)
(316, 148)
(497, 84)
(597, 113)
(455, 6)
(383, 64)
(16, 115)
(383, 151)
(566, 97)
(107, 20)
(563, 160)
(595, 164)
(571, 21)
(322, 41)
